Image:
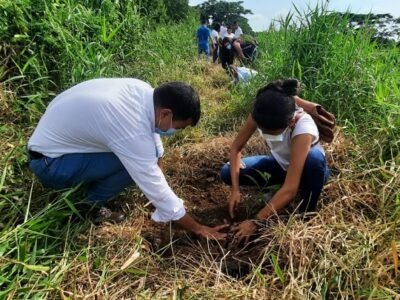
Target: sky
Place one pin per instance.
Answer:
(264, 11)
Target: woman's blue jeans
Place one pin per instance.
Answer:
(315, 175)
(102, 174)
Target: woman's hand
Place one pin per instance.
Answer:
(233, 201)
(244, 230)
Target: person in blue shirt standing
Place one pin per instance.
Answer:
(203, 35)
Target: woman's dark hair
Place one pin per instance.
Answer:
(181, 98)
(275, 106)
(225, 40)
(217, 27)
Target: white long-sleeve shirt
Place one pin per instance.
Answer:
(111, 115)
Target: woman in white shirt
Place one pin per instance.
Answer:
(297, 161)
(229, 33)
(238, 32)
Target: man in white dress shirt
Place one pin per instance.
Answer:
(238, 32)
(105, 134)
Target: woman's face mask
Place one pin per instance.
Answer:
(275, 137)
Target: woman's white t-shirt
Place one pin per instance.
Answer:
(214, 36)
(238, 33)
(229, 35)
(281, 150)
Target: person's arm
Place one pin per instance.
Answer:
(235, 154)
(210, 38)
(300, 147)
(159, 149)
(141, 164)
(238, 50)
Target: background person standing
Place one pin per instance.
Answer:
(238, 32)
(203, 35)
(215, 41)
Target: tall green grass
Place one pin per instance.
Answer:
(355, 78)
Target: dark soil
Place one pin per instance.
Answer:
(193, 172)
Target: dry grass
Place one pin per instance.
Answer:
(344, 251)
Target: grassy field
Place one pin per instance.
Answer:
(349, 249)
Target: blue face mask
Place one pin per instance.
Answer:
(169, 132)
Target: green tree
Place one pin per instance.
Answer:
(177, 10)
(228, 12)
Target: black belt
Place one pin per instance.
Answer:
(35, 155)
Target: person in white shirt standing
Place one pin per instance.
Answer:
(215, 41)
(105, 135)
(238, 32)
(229, 34)
(223, 30)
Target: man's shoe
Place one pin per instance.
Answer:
(105, 214)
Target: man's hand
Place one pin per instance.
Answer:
(244, 230)
(213, 232)
(190, 224)
(233, 201)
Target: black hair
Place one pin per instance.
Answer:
(217, 27)
(226, 40)
(203, 21)
(181, 98)
(275, 106)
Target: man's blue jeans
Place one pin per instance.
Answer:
(315, 175)
(102, 174)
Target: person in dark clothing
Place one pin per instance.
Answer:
(249, 50)
(227, 54)
(231, 48)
